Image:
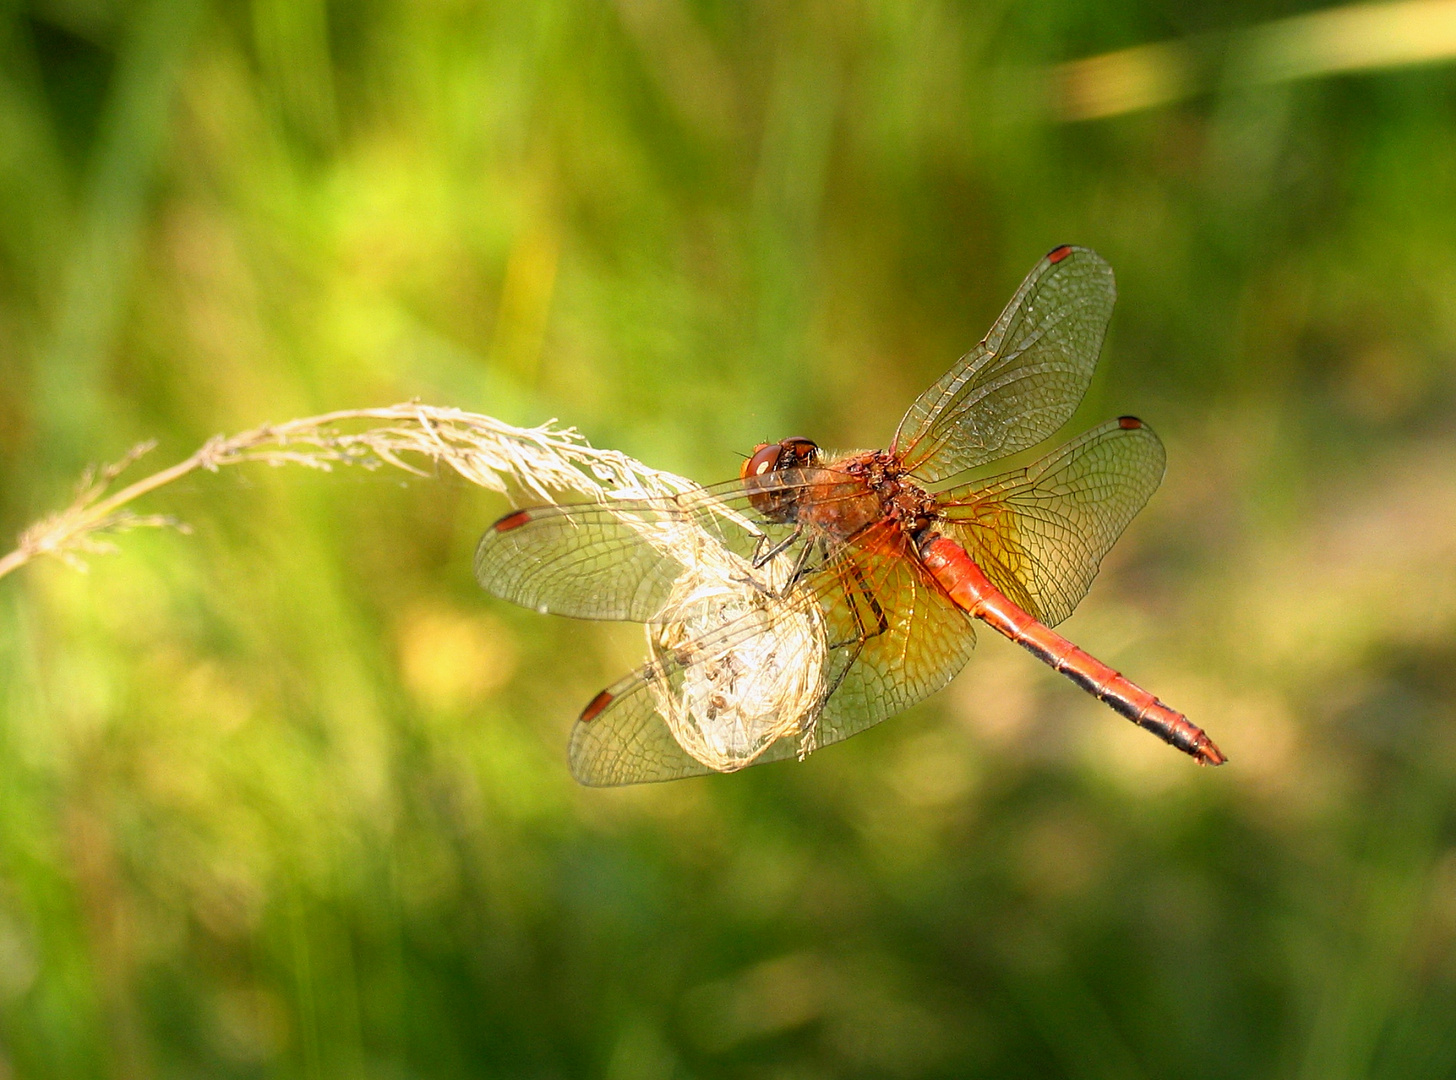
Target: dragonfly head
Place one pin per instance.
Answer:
(792, 453)
(776, 501)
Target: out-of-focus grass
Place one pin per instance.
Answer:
(287, 797)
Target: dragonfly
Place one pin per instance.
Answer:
(819, 593)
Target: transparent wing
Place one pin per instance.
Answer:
(585, 561)
(623, 735)
(914, 639)
(619, 559)
(1039, 533)
(628, 741)
(893, 638)
(1024, 381)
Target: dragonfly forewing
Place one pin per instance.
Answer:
(1024, 380)
(619, 559)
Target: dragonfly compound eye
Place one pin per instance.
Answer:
(764, 459)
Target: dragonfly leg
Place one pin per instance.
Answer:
(758, 546)
(762, 558)
(882, 624)
(811, 728)
(801, 564)
(856, 643)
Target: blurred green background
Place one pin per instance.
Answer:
(288, 797)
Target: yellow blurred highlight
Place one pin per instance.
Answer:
(996, 697)
(933, 769)
(1353, 38)
(450, 660)
(1358, 37)
(1121, 82)
(525, 304)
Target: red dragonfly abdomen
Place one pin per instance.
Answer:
(972, 591)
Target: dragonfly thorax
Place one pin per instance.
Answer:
(846, 496)
(790, 482)
(898, 499)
